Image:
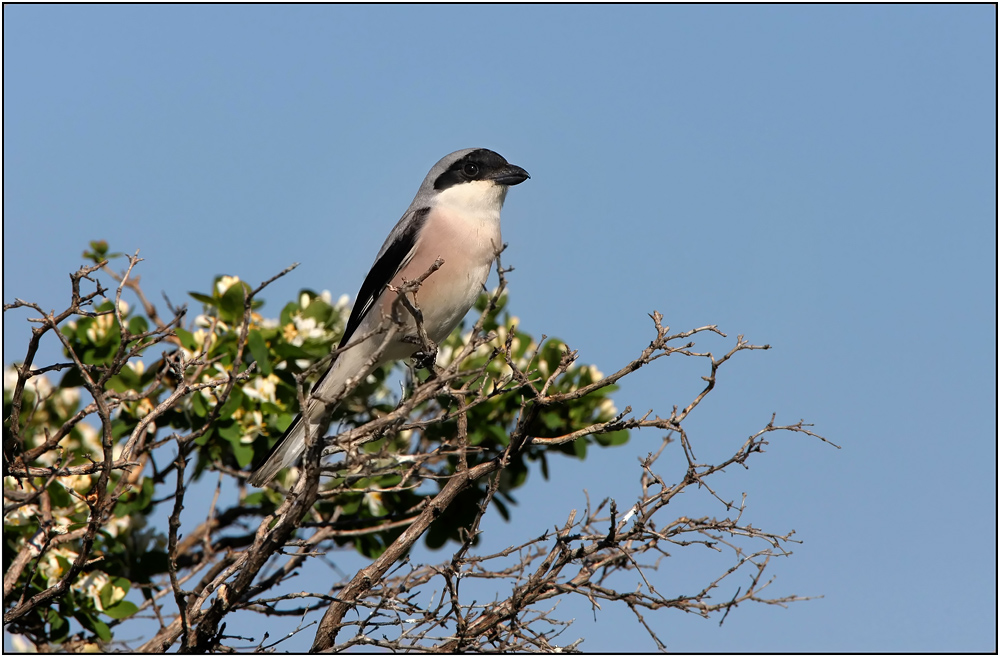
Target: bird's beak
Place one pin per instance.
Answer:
(510, 175)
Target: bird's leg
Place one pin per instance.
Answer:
(424, 360)
(425, 357)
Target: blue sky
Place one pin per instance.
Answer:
(819, 178)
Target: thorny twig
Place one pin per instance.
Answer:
(216, 567)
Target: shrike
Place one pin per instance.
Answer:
(455, 216)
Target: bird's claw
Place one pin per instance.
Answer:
(424, 360)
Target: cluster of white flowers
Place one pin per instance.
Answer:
(83, 441)
(252, 423)
(205, 337)
(117, 525)
(209, 394)
(262, 388)
(38, 393)
(38, 386)
(22, 515)
(9, 381)
(100, 327)
(264, 322)
(90, 442)
(103, 324)
(91, 585)
(55, 563)
(516, 346)
(301, 329)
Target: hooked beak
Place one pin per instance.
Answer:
(510, 175)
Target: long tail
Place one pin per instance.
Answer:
(287, 450)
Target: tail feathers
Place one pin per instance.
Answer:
(330, 386)
(284, 454)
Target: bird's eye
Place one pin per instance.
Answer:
(470, 169)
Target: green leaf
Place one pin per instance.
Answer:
(102, 631)
(231, 303)
(282, 422)
(498, 434)
(187, 339)
(58, 627)
(138, 324)
(120, 427)
(85, 617)
(123, 609)
(71, 379)
(203, 439)
(350, 506)
(135, 501)
(235, 401)
(517, 473)
(229, 431)
(58, 497)
(99, 354)
(99, 252)
(125, 380)
(319, 310)
(613, 438)
(153, 562)
(551, 420)
(204, 298)
(106, 592)
(122, 582)
(243, 452)
(287, 313)
(258, 349)
(54, 618)
(199, 404)
(287, 351)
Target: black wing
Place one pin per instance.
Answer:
(383, 271)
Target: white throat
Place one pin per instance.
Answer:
(481, 199)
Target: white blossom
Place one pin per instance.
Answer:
(49, 566)
(304, 328)
(263, 388)
(116, 525)
(373, 500)
(226, 282)
(100, 327)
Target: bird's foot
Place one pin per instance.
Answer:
(424, 360)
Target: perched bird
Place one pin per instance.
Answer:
(455, 216)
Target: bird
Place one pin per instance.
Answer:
(454, 217)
